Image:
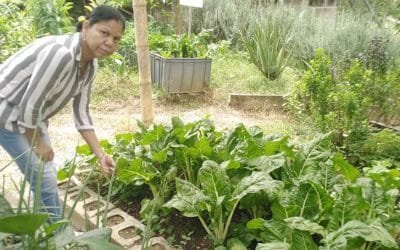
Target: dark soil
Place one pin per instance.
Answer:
(187, 233)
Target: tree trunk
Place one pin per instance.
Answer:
(142, 48)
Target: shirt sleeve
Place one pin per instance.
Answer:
(47, 71)
(81, 102)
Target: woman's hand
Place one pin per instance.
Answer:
(44, 151)
(107, 164)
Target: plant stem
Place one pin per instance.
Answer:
(228, 221)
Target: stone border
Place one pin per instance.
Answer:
(85, 216)
(257, 102)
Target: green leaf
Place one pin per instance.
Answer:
(273, 246)
(98, 239)
(267, 164)
(255, 182)
(353, 229)
(235, 244)
(214, 181)
(177, 122)
(130, 171)
(348, 171)
(303, 224)
(83, 150)
(302, 241)
(189, 199)
(22, 223)
(203, 146)
(160, 156)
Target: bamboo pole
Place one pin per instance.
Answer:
(142, 48)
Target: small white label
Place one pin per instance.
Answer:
(192, 3)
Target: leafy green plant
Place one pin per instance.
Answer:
(328, 204)
(268, 44)
(182, 46)
(50, 16)
(216, 197)
(16, 29)
(29, 228)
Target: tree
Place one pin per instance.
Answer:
(141, 36)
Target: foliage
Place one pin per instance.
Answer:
(293, 193)
(50, 16)
(182, 46)
(16, 29)
(326, 198)
(343, 40)
(383, 145)
(343, 104)
(268, 44)
(29, 228)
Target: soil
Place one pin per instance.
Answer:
(113, 117)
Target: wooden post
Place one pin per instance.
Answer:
(190, 21)
(142, 48)
(178, 19)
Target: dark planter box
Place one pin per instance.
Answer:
(180, 75)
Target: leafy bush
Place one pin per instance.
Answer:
(50, 16)
(16, 29)
(383, 145)
(344, 104)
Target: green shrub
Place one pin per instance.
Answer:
(383, 145)
(50, 16)
(15, 29)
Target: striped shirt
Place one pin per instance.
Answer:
(40, 79)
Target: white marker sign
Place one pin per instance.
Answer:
(192, 3)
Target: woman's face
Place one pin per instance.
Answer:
(101, 39)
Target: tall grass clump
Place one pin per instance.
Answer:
(268, 42)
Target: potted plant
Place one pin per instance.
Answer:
(179, 64)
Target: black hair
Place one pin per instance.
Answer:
(103, 13)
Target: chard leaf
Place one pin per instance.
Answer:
(190, 200)
(235, 244)
(302, 241)
(347, 170)
(160, 156)
(303, 224)
(267, 164)
(272, 147)
(255, 182)
(273, 245)
(230, 164)
(386, 178)
(308, 158)
(177, 122)
(353, 229)
(130, 171)
(214, 181)
(203, 145)
(154, 135)
(273, 230)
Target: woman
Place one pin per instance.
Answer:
(39, 80)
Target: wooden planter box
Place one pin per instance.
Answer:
(180, 75)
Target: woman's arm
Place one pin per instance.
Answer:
(106, 162)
